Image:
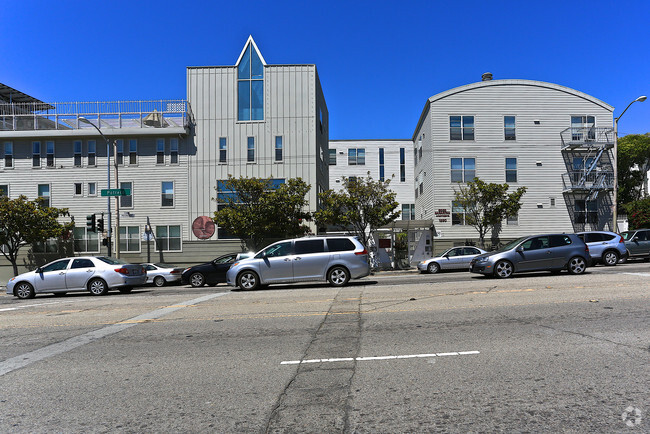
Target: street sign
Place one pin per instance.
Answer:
(116, 192)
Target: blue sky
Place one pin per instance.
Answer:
(378, 61)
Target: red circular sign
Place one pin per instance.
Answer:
(203, 227)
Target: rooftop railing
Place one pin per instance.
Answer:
(112, 114)
(574, 137)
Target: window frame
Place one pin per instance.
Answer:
(457, 210)
(353, 157)
(382, 169)
(8, 154)
(49, 154)
(166, 239)
(223, 150)
(461, 131)
(36, 154)
(126, 239)
(402, 164)
(464, 171)
(160, 154)
(250, 149)
(48, 201)
(279, 150)
(123, 184)
(173, 151)
(164, 195)
(78, 189)
(511, 171)
(92, 153)
(92, 191)
(509, 132)
(119, 152)
(87, 239)
(331, 153)
(252, 83)
(133, 152)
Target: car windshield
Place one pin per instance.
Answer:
(511, 244)
(163, 265)
(627, 235)
(111, 261)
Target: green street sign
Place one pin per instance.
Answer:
(116, 192)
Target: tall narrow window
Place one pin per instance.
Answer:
(332, 157)
(457, 214)
(223, 150)
(250, 86)
(415, 156)
(160, 151)
(402, 164)
(511, 170)
(356, 157)
(173, 151)
(509, 128)
(77, 153)
(9, 155)
(92, 189)
(4, 190)
(44, 193)
(278, 148)
(461, 127)
(250, 156)
(381, 164)
(133, 151)
(167, 197)
(92, 153)
(78, 188)
(119, 148)
(49, 154)
(126, 201)
(36, 154)
(129, 238)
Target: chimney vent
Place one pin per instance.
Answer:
(486, 77)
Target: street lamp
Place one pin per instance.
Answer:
(108, 186)
(615, 195)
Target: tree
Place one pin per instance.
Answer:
(486, 205)
(256, 210)
(638, 213)
(25, 222)
(633, 164)
(361, 207)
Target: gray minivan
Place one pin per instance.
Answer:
(335, 259)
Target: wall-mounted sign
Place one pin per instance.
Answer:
(442, 214)
(203, 227)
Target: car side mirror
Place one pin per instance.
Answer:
(519, 249)
(635, 238)
(39, 270)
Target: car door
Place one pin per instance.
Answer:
(466, 258)
(641, 243)
(535, 254)
(151, 272)
(451, 259)
(309, 259)
(52, 276)
(81, 270)
(562, 249)
(219, 267)
(635, 243)
(276, 263)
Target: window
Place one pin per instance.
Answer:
(278, 148)
(76, 147)
(408, 211)
(160, 151)
(461, 127)
(129, 238)
(85, 241)
(582, 165)
(339, 245)
(133, 151)
(167, 197)
(4, 190)
(49, 246)
(78, 188)
(381, 164)
(586, 211)
(9, 155)
(92, 153)
(309, 246)
(126, 201)
(36, 154)
(278, 250)
(250, 157)
(457, 214)
(356, 157)
(582, 128)
(512, 220)
(223, 150)
(420, 153)
(511, 170)
(119, 147)
(168, 238)
(250, 86)
(92, 189)
(552, 201)
(173, 151)
(44, 193)
(415, 156)
(559, 240)
(49, 154)
(402, 164)
(82, 263)
(509, 128)
(463, 169)
(332, 157)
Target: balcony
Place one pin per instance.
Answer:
(144, 115)
(589, 137)
(582, 181)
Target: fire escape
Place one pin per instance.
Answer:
(589, 180)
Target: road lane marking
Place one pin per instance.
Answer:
(29, 305)
(638, 274)
(364, 359)
(26, 359)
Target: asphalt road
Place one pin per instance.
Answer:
(395, 352)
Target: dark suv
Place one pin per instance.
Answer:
(638, 243)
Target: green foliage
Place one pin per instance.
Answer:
(633, 164)
(257, 212)
(25, 222)
(638, 213)
(361, 206)
(486, 205)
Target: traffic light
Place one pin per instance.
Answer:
(100, 225)
(90, 223)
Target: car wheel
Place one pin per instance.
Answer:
(433, 268)
(24, 291)
(98, 287)
(197, 280)
(503, 269)
(577, 265)
(159, 281)
(248, 280)
(338, 276)
(610, 258)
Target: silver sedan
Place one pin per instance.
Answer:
(456, 258)
(161, 274)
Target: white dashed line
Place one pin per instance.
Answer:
(638, 274)
(363, 359)
(29, 305)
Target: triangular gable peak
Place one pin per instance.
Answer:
(253, 45)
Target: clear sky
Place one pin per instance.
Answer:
(378, 61)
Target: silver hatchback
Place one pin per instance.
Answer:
(333, 259)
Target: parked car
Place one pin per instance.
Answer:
(456, 258)
(605, 247)
(211, 273)
(96, 274)
(161, 274)
(552, 252)
(638, 243)
(336, 259)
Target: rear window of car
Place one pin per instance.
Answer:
(82, 263)
(111, 261)
(559, 240)
(309, 246)
(339, 244)
(593, 237)
(471, 251)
